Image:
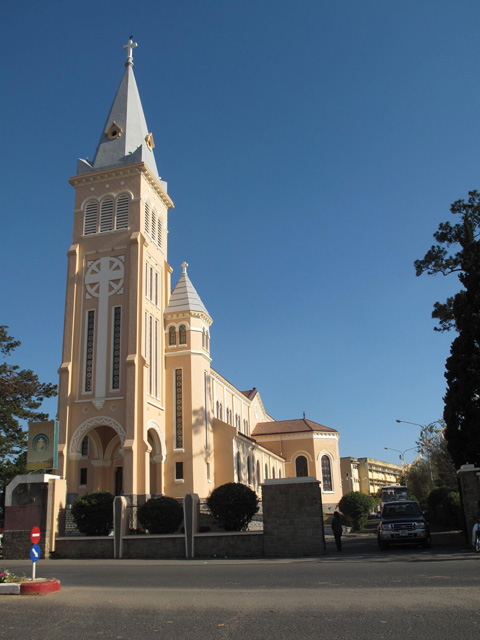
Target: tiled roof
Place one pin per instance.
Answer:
(289, 426)
(250, 394)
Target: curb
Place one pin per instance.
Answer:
(39, 587)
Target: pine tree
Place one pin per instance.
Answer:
(458, 251)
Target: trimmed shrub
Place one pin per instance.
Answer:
(93, 513)
(160, 515)
(233, 505)
(356, 506)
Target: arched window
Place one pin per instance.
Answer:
(90, 219)
(249, 470)
(85, 447)
(220, 411)
(203, 338)
(301, 467)
(121, 215)
(147, 218)
(273, 473)
(258, 472)
(239, 467)
(326, 474)
(266, 471)
(182, 334)
(106, 215)
(279, 473)
(172, 337)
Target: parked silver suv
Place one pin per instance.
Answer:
(403, 522)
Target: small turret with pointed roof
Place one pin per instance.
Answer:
(184, 296)
(125, 138)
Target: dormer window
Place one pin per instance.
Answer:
(114, 131)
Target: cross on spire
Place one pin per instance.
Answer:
(129, 47)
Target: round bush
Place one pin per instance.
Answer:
(161, 515)
(93, 513)
(356, 506)
(233, 505)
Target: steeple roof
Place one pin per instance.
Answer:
(184, 296)
(125, 138)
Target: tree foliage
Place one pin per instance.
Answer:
(161, 515)
(93, 513)
(21, 396)
(356, 506)
(458, 251)
(233, 505)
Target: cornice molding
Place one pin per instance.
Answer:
(120, 172)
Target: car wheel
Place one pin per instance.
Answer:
(477, 543)
(382, 545)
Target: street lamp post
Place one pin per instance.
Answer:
(425, 441)
(402, 458)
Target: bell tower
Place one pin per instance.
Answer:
(112, 376)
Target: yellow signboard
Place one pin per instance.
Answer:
(42, 450)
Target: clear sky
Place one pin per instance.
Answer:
(311, 148)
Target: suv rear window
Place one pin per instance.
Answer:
(397, 510)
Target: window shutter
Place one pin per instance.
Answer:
(90, 220)
(147, 218)
(106, 215)
(121, 220)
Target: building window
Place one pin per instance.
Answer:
(83, 477)
(178, 470)
(239, 467)
(172, 337)
(121, 217)
(301, 467)
(326, 474)
(89, 350)
(258, 472)
(249, 470)
(266, 471)
(182, 334)
(273, 473)
(117, 317)
(178, 410)
(203, 338)
(85, 447)
(147, 218)
(106, 215)
(90, 218)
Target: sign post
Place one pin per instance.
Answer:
(35, 551)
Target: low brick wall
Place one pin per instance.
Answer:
(83, 547)
(151, 546)
(292, 518)
(247, 544)
(16, 545)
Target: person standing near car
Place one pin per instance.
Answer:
(337, 530)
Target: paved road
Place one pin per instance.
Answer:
(361, 593)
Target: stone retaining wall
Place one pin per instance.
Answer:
(83, 547)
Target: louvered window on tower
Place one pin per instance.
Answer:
(90, 220)
(121, 218)
(159, 232)
(106, 215)
(154, 226)
(147, 218)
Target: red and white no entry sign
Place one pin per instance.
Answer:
(35, 535)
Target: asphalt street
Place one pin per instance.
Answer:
(359, 593)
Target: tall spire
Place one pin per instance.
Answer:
(125, 138)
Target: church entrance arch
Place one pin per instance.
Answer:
(97, 463)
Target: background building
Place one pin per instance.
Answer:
(368, 475)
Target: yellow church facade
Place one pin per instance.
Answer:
(141, 411)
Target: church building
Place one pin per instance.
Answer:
(141, 410)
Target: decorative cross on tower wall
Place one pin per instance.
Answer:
(104, 277)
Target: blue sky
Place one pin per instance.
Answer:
(311, 149)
